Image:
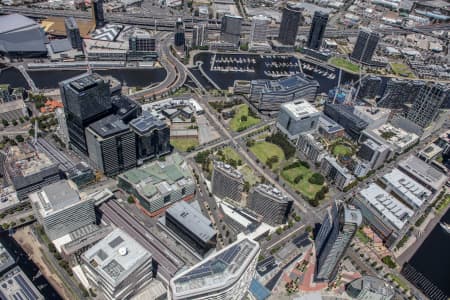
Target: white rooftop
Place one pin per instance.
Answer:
(387, 206)
(299, 108)
(396, 136)
(423, 172)
(407, 188)
(368, 113)
(116, 256)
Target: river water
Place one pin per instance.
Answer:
(49, 79)
(28, 267)
(432, 259)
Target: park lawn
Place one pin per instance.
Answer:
(183, 144)
(402, 70)
(303, 186)
(265, 150)
(341, 150)
(236, 124)
(230, 153)
(344, 64)
(249, 175)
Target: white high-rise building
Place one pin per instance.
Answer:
(258, 32)
(225, 275)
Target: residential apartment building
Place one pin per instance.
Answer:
(309, 146)
(291, 19)
(334, 172)
(227, 182)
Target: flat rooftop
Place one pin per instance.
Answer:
(109, 126)
(423, 172)
(6, 260)
(84, 81)
(12, 105)
(193, 220)
(328, 124)
(226, 168)
(55, 197)
(16, 285)
(27, 160)
(116, 257)
(147, 122)
(216, 272)
(386, 205)
(372, 113)
(299, 109)
(272, 192)
(395, 135)
(407, 188)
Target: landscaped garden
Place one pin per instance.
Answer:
(184, 144)
(344, 64)
(243, 118)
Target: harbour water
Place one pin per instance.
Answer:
(28, 267)
(49, 79)
(432, 259)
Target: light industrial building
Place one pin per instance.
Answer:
(297, 117)
(111, 145)
(189, 224)
(227, 182)
(410, 191)
(425, 174)
(152, 136)
(336, 173)
(225, 275)
(385, 214)
(268, 95)
(60, 210)
(21, 37)
(270, 203)
(369, 287)
(159, 184)
(28, 170)
(13, 110)
(398, 139)
(337, 230)
(118, 265)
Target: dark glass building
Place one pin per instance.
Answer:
(152, 136)
(179, 33)
(317, 30)
(290, 21)
(73, 33)
(230, 30)
(86, 99)
(343, 114)
(97, 13)
(365, 47)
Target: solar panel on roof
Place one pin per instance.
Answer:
(25, 287)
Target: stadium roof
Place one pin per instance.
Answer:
(15, 22)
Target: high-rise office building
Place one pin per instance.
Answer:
(152, 136)
(344, 115)
(400, 92)
(230, 30)
(73, 33)
(227, 181)
(199, 34)
(60, 210)
(86, 99)
(225, 275)
(118, 265)
(98, 13)
(258, 31)
(365, 46)
(191, 226)
(111, 145)
(180, 39)
(270, 203)
(317, 30)
(426, 106)
(290, 21)
(337, 230)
